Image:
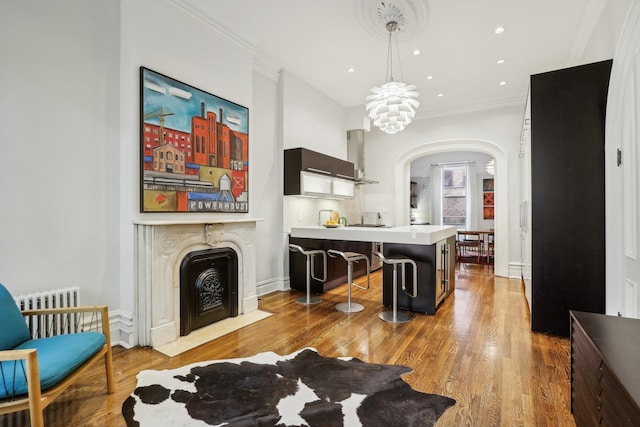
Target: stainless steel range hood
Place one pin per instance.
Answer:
(355, 154)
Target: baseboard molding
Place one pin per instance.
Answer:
(517, 270)
(265, 287)
(122, 328)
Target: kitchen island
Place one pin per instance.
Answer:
(432, 247)
(409, 234)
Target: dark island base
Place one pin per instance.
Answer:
(436, 275)
(336, 267)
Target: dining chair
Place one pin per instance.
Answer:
(469, 240)
(490, 247)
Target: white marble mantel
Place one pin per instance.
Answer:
(160, 247)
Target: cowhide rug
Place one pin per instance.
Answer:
(301, 389)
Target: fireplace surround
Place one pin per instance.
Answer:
(160, 248)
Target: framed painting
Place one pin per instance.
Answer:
(194, 148)
(488, 212)
(488, 198)
(487, 184)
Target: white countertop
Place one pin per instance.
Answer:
(410, 234)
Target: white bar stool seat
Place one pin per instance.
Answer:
(308, 299)
(393, 316)
(351, 257)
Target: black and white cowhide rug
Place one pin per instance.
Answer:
(301, 389)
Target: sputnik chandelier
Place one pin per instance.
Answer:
(392, 105)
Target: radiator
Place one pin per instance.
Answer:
(51, 324)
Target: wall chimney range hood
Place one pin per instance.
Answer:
(355, 154)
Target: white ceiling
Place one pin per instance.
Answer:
(318, 42)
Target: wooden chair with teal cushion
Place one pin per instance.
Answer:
(37, 365)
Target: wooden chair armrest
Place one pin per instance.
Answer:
(102, 310)
(64, 310)
(9, 355)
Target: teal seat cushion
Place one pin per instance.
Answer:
(14, 328)
(58, 356)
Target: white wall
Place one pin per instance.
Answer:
(310, 119)
(59, 165)
(266, 185)
(70, 139)
(495, 132)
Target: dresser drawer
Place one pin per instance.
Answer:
(618, 409)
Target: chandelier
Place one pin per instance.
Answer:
(393, 104)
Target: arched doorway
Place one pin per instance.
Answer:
(402, 174)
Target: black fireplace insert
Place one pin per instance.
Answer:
(208, 288)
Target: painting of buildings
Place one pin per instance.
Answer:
(194, 148)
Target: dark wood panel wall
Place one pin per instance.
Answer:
(567, 185)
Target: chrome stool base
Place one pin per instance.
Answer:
(346, 307)
(308, 300)
(394, 316)
(391, 317)
(351, 257)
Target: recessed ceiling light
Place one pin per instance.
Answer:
(500, 61)
(351, 70)
(429, 77)
(499, 30)
(416, 52)
(502, 83)
(440, 95)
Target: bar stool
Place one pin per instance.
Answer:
(394, 316)
(351, 257)
(311, 272)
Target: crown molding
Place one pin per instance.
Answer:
(263, 66)
(260, 64)
(518, 101)
(218, 28)
(592, 15)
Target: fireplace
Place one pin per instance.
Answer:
(160, 249)
(208, 288)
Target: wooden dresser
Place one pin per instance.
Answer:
(605, 370)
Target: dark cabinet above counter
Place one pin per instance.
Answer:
(310, 173)
(303, 159)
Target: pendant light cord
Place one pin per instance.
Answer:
(392, 27)
(399, 62)
(390, 59)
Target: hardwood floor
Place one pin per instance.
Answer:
(477, 349)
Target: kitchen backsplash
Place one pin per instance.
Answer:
(303, 211)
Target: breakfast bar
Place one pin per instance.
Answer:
(432, 247)
(410, 234)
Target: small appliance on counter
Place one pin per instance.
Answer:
(419, 217)
(372, 219)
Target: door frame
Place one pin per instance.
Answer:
(402, 178)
